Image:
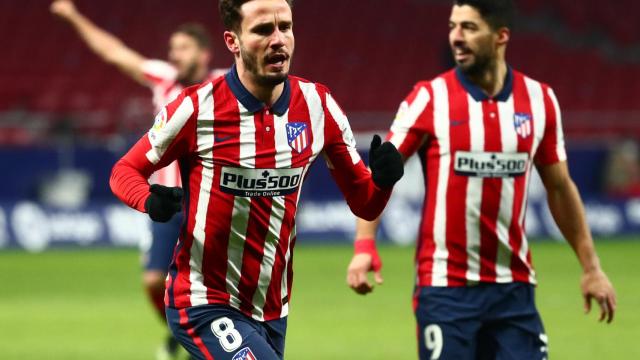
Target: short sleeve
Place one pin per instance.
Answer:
(409, 128)
(552, 148)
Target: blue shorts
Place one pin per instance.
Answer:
(487, 321)
(222, 333)
(163, 241)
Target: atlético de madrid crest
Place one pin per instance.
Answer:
(522, 124)
(298, 136)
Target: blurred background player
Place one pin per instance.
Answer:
(246, 141)
(189, 57)
(479, 129)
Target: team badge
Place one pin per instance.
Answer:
(244, 354)
(298, 136)
(522, 124)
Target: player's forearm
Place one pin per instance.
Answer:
(568, 212)
(99, 41)
(364, 198)
(129, 177)
(367, 229)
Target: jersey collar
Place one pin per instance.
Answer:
(250, 102)
(479, 95)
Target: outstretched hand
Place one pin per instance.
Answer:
(63, 8)
(385, 162)
(365, 260)
(596, 286)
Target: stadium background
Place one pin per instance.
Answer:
(68, 260)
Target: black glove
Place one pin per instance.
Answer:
(385, 163)
(163, 202)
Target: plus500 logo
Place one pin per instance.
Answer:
(259, 182)
(490, 164)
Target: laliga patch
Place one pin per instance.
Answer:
(244, 354)
(522, 124)
(297, 136)
(158, 124)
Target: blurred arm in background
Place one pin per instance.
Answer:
(105, 45)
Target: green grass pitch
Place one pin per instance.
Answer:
(89, 305)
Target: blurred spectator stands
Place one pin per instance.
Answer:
(369, 52)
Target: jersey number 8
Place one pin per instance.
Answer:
(225, 331)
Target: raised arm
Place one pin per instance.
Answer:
(105, 45)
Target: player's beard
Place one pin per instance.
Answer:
(482, 63)
(187, 77)
(250, 62)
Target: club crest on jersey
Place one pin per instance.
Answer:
(522, 124)
(244, 354)
(297, 136)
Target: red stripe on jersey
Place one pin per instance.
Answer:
(522, 104)
(430, 156)
(491, 195)
(456, 235)
(259, 214)
(226, 147)
(184, 323)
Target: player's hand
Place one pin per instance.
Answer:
(364, 260)
(163, 202)
(596, 286)
(385, 163)
(63, 8)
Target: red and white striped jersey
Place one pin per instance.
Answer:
(477, 154)
(161, 77)
(243, 164)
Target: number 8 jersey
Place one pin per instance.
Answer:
(242, 165)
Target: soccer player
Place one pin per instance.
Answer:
(244, 143)
(189, 57)
(479, 129)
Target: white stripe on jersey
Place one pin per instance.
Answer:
(343, 123)
(474, 192)
(284, 288)
(241, 208)
(269, 256)
(283, 160)
(540, 117)
(205, 149)
(160, 139)
(408, 115)
(560, 149)
(509, 141)
(441, 124)
(314, 104)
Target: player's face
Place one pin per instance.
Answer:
(266, 40)
(473, 42)
(188, 57)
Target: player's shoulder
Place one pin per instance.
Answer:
(427, 84)
(300, 82)
(158, 71)
(522, 77)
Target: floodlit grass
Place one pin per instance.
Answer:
(89, 305)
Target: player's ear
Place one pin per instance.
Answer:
(504, 34)
(232, 42)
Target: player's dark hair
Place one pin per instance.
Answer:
(230, 13)
(497, 13)
(197, 32)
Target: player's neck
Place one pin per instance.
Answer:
(491, 81)
(266, 94)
